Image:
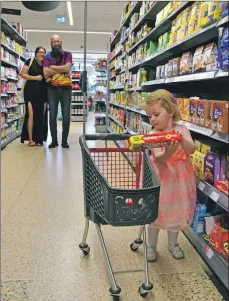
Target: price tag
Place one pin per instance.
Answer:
(214, 196)
(208, 251)
(201, 186)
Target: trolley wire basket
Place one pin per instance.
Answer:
(120, 189)
(118, 192)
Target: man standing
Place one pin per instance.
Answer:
(57, 65)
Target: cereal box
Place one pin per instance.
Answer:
(180, 104)
(211, 168)
(192, 110)
(186, 109)
(186, 63)
(176, 66)
(197, 59)
(220, 116)
(208, 113)
(201, 112)
(209, 58)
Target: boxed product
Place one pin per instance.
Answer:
(160, 43)
(214, 10)
(223, 58)
(197, 59)
(211, 168)
(158, 72)
(209, 58)
(186, 63)
(222, 186)
(201, 112)
(208, 113)
(192, 109)
(180, 104)
(210, 145)
(198, 164)
(194, 19)
(186, 109)
(166, 70)
(225, 8)
(173, 34)
(162, 71)
(170, 68)
(176, 66)
(204, 13)
(220, 110)
(165, 39)
(224, 37)
(159, 17)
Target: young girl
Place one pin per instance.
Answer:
(173, 166)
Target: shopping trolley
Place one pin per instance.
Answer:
(120, 189)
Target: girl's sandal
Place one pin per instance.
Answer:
(39, 144)
(31, 143)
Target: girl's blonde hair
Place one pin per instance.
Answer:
(167, 101)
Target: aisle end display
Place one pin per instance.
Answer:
(181, 46)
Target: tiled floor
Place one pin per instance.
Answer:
(42, 225)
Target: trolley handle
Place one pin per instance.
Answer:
(108, 137)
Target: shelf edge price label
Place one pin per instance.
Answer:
(208, 252)
(214, 196)
(201, 186)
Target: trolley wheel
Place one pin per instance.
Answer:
(134, 247)
(85, 249)
(116, 298)
(143, 293)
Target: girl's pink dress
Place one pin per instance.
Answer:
(178, 192)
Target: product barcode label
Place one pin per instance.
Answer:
(201, 186)
(214, 196)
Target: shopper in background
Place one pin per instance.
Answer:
(35, 127)
(174, 169)
(57, 65)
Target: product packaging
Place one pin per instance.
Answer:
(220, 110)
(170, 68)
(209, 58)
(197, 59)
(198, 164)
(186, 63)
(186, 109)
(201, 112)
(193, 109)
(208, 114)
(211, 168)
(176, 66)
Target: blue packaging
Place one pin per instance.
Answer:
(224, 39)
(225, 9)
(225, 58)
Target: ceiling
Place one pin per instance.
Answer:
(102, 16)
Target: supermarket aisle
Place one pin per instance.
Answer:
(42, 225)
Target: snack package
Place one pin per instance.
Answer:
(186, 63)
(211, 168)
(162, 71)
(170, 68)
(220, 110)
(198, 164)
(152, 140)
(158, 72)
(225, 9)
(224, 37)
(192, 110)
(201, 112)
(166, 70)
(223, 58)
(186, 109)
(208, 114)
(197, 59)
(176, 66)
(160, 43)
(209, 58)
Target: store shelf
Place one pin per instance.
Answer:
(75, 79)
(12, 51)
(117, 37)
(205, 131)
(215, 261)
(5, 62)
(116, 55)
(9, 138)
(10, 31)
(9, 120)
(115, 120)
(136, 110)
(135, 89)
(80, 103)
(213, 193)
(224, 22)
(161, 28)
(3, 79)
(117, 88)
(11, 92)
(222, 73)
(202, 36)
(3, 95)
(12, 78)
(78, 118)
(77, 91)
(5, 125)
(12, 105)
(153, 82)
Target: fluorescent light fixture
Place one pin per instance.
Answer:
(69, 6)
(69, 31)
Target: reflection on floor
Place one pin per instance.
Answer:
(42, 225)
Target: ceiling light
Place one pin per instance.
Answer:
(69, 6)
(69, 31)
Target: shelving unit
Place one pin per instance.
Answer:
(122, 88)
(12, 104)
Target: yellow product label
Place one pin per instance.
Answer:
(204, 13)
(214, 10)
(198, 145)
(198, 164)
(205, 148)
(186, 109)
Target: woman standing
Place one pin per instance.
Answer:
(35, 125)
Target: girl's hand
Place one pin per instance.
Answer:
(171, 148)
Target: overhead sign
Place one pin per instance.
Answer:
(60, 19)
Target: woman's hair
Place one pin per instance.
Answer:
(38, 49)
(166, 99)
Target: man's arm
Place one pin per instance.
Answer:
(49, 72)
(61, 69)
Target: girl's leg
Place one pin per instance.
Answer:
(152, 243)
(174, 248)
(30, 124)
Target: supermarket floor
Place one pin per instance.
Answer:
(42, 225)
